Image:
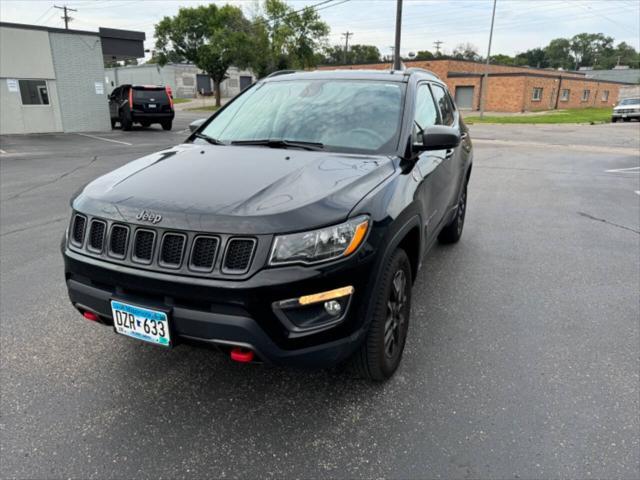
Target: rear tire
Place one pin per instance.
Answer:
(125, 121)
(113, 123)
(626, 119)
(381, 351)
(167, 125)
(145, 124)
(453, 231)
(614, 120)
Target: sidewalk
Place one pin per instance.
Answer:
(200, 102)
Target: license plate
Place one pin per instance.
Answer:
(151, 105)
(142, 323)
(624, 115)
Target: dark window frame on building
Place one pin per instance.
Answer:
(536, 95)
(565, 94)
(34, 93)
(586, 94)
(605, 95)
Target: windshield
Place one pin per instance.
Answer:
(343, 115)
(158, 94)
(630, 101)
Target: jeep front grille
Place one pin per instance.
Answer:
(204, 252)
(145, 247)
(118, 240)
(238, 256)
(172, 249)
(77, 231)
(96, 235)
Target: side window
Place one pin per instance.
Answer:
(426, 112)
(444, 102)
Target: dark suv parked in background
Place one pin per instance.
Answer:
(288, 228)
(143, 104)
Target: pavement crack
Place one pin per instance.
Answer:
(56, 179)
(591, 217)
(36, 225)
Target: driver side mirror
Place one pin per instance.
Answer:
(438, 137)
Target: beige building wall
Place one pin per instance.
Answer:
(26, 55)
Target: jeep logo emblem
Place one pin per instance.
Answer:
(145, 216)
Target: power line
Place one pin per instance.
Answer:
(66, 16)
(43, 14)
(437, 44)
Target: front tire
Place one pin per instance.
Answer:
(453, 231)
(379, 355)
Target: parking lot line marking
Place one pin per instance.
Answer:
(105, 139)
(637, 192)
(620, 170)
(2, 151)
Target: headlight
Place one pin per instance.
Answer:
(320, 245)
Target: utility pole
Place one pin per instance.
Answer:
(483, 85)
(396, 48)
(66, 16)
(437, 44)
(346, 36)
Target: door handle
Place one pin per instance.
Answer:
(448, 154)
(464, 135)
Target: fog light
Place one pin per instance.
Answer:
(333, 307)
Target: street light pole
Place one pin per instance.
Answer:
(483, 85)
(396, 48)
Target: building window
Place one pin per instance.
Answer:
(585, 95)
(34, 92)
(537, 94)
(564, 97)
(605, 95)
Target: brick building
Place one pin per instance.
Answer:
(515, 89)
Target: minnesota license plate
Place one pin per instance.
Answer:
(142, 323)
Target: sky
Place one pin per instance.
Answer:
(519, 24)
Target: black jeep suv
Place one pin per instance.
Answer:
(143, 104)
(288, 228)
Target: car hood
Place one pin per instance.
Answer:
(236, 189)
(626, 107)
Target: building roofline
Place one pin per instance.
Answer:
(408, 64)
(102, 33)
(25, 26)
(535, 75)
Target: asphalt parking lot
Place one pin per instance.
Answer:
(522, 359)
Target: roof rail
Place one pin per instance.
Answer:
(280, 72)
(423, 70)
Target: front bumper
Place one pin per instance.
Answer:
(617, 115)
(151, 116)
(229, 313)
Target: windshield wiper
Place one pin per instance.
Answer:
(209, 139)
(272, 143)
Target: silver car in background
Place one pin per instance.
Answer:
(626, 110)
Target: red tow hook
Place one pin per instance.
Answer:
(242, 355)
(91, 316)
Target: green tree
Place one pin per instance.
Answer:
(424, 55)
(532, 58)
(212, 37)
(558, 53)
(287, 38)
(501, 59)
(466, 51)
(587, 49)
(357, 54)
